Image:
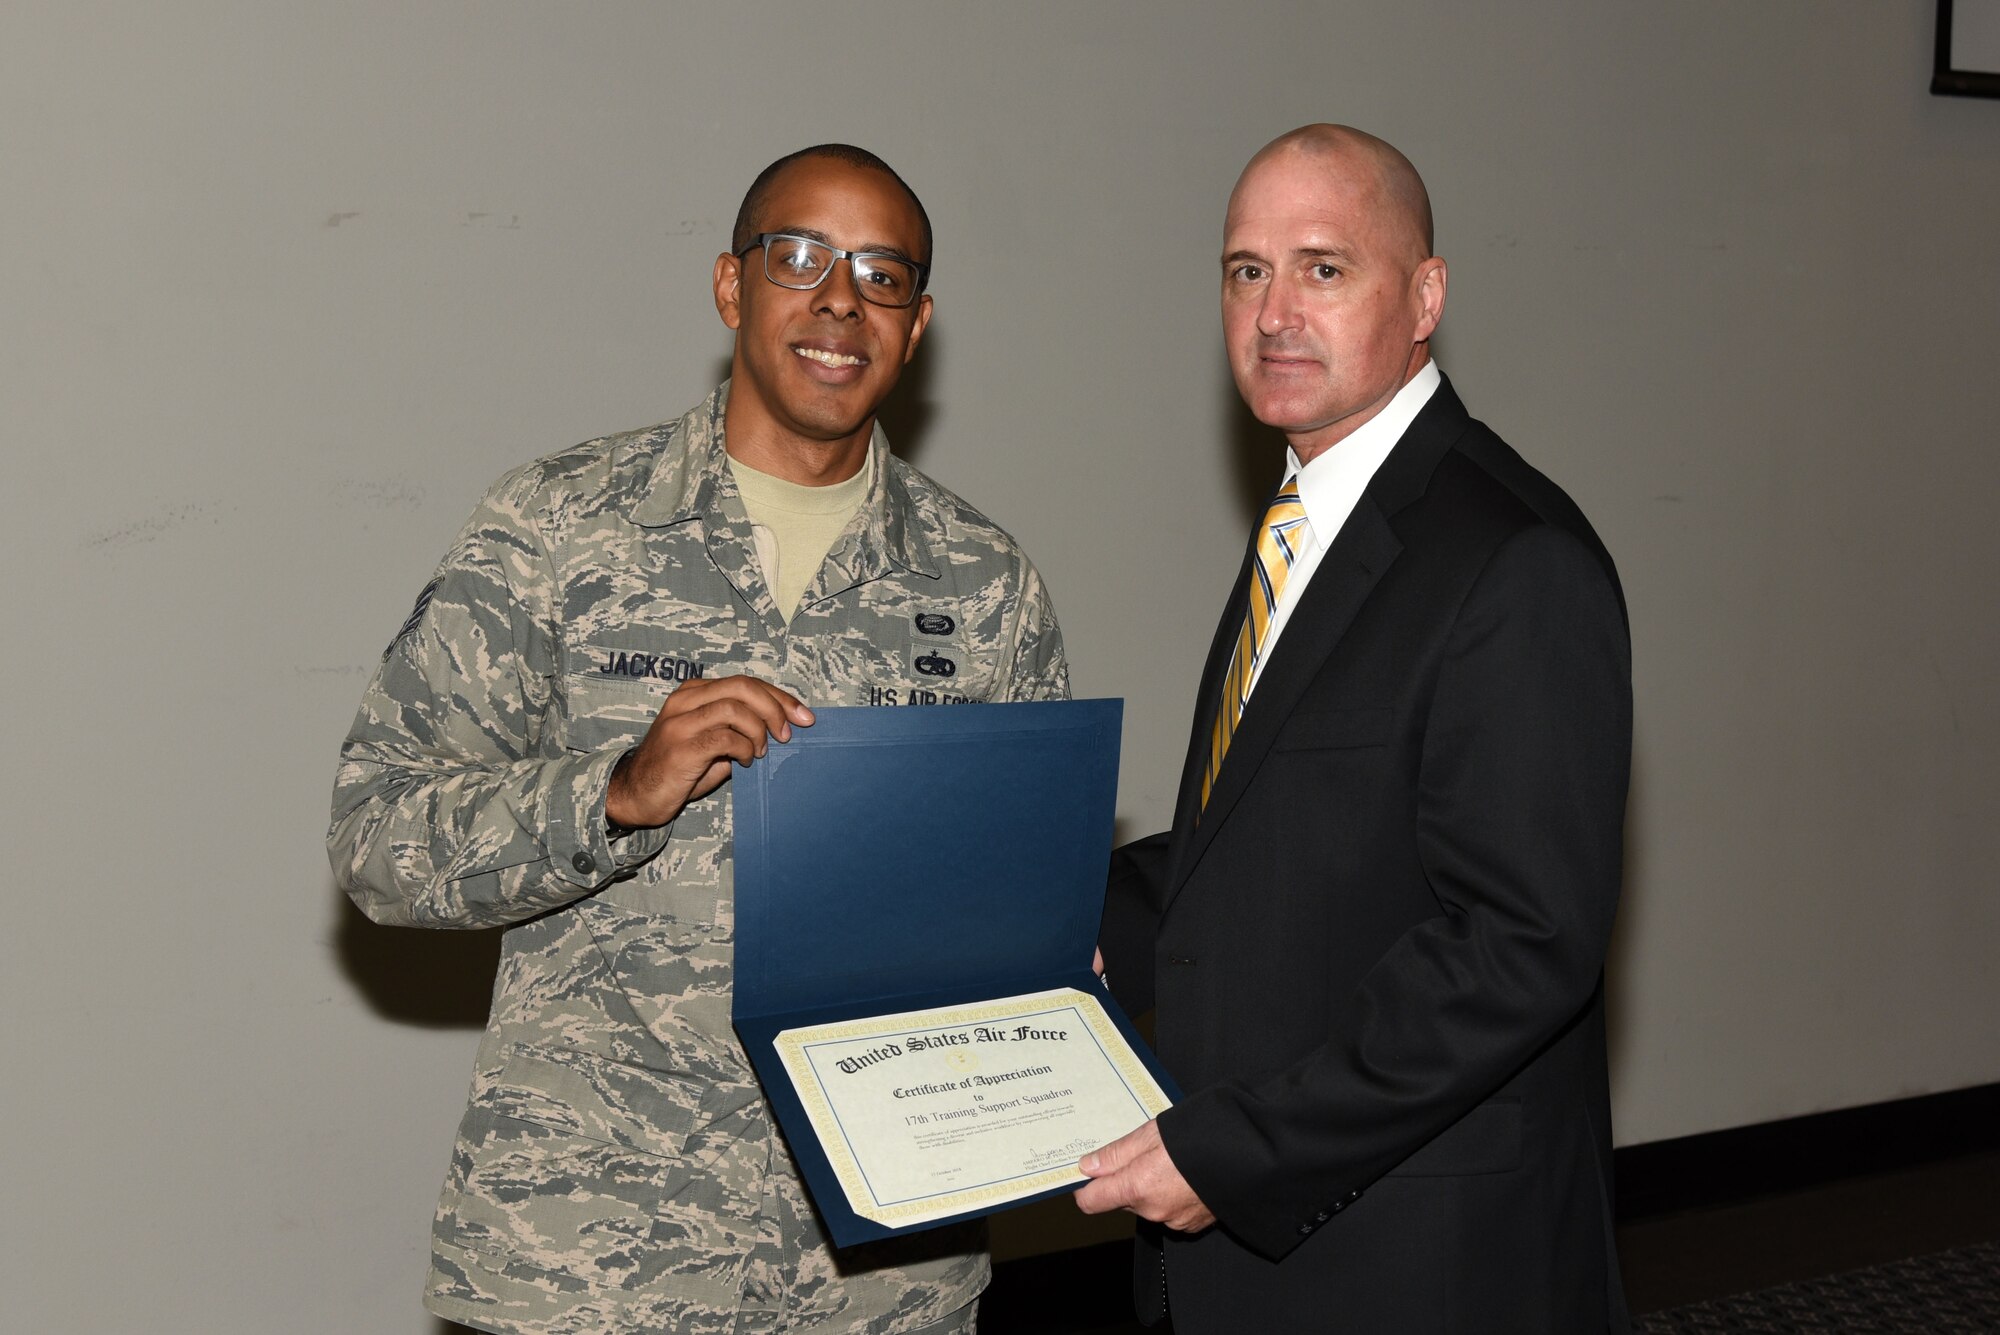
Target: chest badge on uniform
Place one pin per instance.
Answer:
(935, 623)
(936, 665)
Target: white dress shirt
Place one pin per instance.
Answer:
(1330, 485)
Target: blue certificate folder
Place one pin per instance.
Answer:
(893, 859)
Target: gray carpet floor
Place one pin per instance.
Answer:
(1954, 1292)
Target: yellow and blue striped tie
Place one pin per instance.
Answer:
(1279, 542)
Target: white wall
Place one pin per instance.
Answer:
(283, 287)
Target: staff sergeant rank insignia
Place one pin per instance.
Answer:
(416, 615)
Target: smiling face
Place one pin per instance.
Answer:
(1329, 293)
(811, 367)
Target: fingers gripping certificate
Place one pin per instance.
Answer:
(928, 1114)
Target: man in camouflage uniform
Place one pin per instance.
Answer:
(545, 746)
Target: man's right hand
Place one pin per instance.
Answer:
(703, 727)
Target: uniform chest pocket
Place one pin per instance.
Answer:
(600, 713)
(618, 678)
(1337, 729)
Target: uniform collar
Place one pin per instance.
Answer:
(692, 476)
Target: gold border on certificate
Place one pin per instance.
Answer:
(1118, 1095)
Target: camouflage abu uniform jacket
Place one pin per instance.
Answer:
(617, 1169)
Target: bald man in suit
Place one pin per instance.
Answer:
(1374, 937)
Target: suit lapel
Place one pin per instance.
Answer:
(1208, 698)
(1355, 561)
(1360, 553)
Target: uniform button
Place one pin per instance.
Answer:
(1305, 1229)
(1322, 1216)
(584, 863)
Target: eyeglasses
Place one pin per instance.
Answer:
(802, 264)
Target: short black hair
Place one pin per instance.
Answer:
(760, 189)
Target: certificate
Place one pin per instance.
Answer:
(929, 1114)
(917, 893)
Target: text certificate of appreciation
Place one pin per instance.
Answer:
(931, 1113)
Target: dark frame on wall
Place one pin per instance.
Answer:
(1961, 82)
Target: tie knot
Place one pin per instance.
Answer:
(1285, 515)
(1286, 504)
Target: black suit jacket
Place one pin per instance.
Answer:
(1376, 957)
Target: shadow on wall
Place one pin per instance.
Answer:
(417, 976)
(1256, 457)
(911, 409)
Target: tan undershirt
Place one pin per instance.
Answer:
(793, 527)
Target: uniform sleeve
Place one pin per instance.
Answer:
(450, 806)
(1035, 667)
(1520, 815)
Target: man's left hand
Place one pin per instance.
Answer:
(1134, 1173)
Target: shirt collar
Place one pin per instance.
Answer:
(692, 476)
(1330, 485)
